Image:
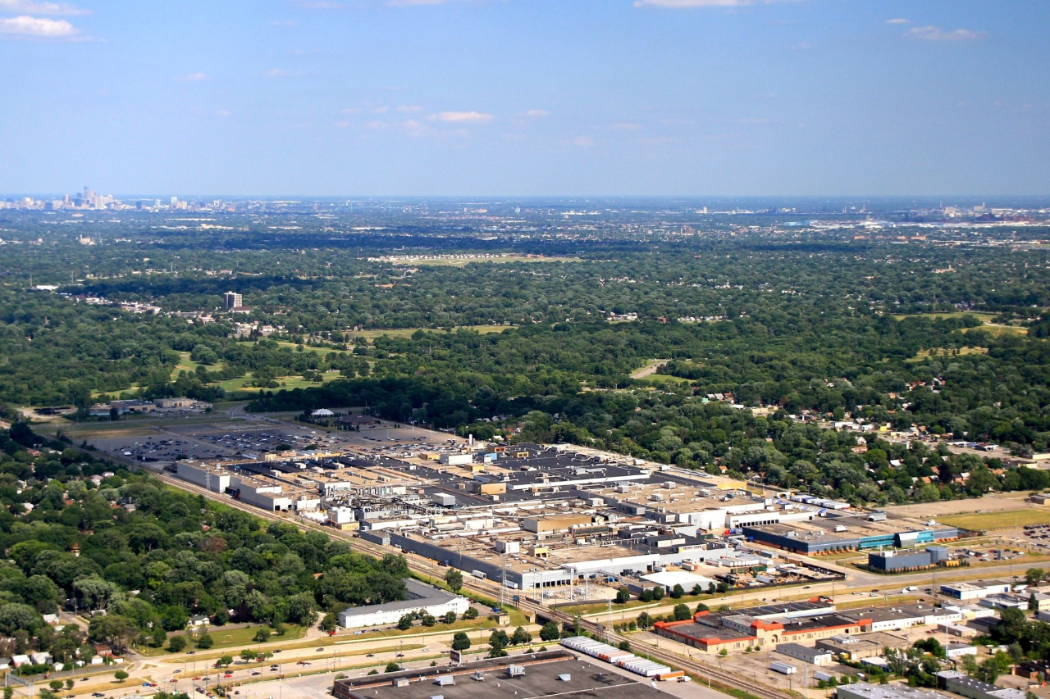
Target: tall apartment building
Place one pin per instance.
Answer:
(231, 300)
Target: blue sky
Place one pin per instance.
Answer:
(525, 97)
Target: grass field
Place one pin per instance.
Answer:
(986, 318)
(187, 364)
(237, 638)
(236, 386)
(943, 352)
(665, 378)
(407, 332)
(1009, 519)
(983, 317)
(308, 348)
(997, 330)
(452, 262)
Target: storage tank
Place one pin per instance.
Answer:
(938, 554)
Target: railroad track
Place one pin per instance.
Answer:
(693, 667)
(487, 588)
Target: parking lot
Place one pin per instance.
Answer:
(253, 439)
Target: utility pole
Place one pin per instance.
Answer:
(503, 582)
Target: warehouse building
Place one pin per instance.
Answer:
(422, 598)
(807, 654)
(545, 674)
(713, 633)
(857, 648)
(963, 685)
(264, 495)
(975, 590)
(896, 562)
(845, 533)
(863, 690)
(210, 476)
(905, 616)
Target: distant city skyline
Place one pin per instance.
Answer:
(525, 98)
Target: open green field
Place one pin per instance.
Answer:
(307, 348)
(236, 386)
(408, 332)
(665, 378)
(1009, 519)
(944, 352)
(237, 638)
(997, 330)
(453, 262)
(983, 317)
(986, 318)
(187, 364)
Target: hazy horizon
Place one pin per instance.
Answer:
(594, 98)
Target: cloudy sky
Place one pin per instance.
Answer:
(525, 97)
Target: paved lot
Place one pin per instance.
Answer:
(254, 436)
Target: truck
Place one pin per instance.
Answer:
(782, 668)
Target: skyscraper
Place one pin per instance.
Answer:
(231, 300)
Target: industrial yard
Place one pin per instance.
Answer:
(561, 526)
(558, 523)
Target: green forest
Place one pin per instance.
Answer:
(140, 558)
(764, 336)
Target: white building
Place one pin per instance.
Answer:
(266, 496)
(423, 598)
(669, 579)
(975, 590)
(213, 478)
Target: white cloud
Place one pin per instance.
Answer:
(626, 126)
(381, 110)
(351, 110)
(41, 8)
(659, 141)
(322, 5)
(461, 117)
(281, 73)
(283, 23)
(414, 129)
(38, 28)
(414, 3)
(932, 33)
(411, 127)
(537, 113)
(583, 142)
(687, 4)
(898, 20)
(801, 46)
(409, 108)
(193, 78)
(343, 124)
(223, 113)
